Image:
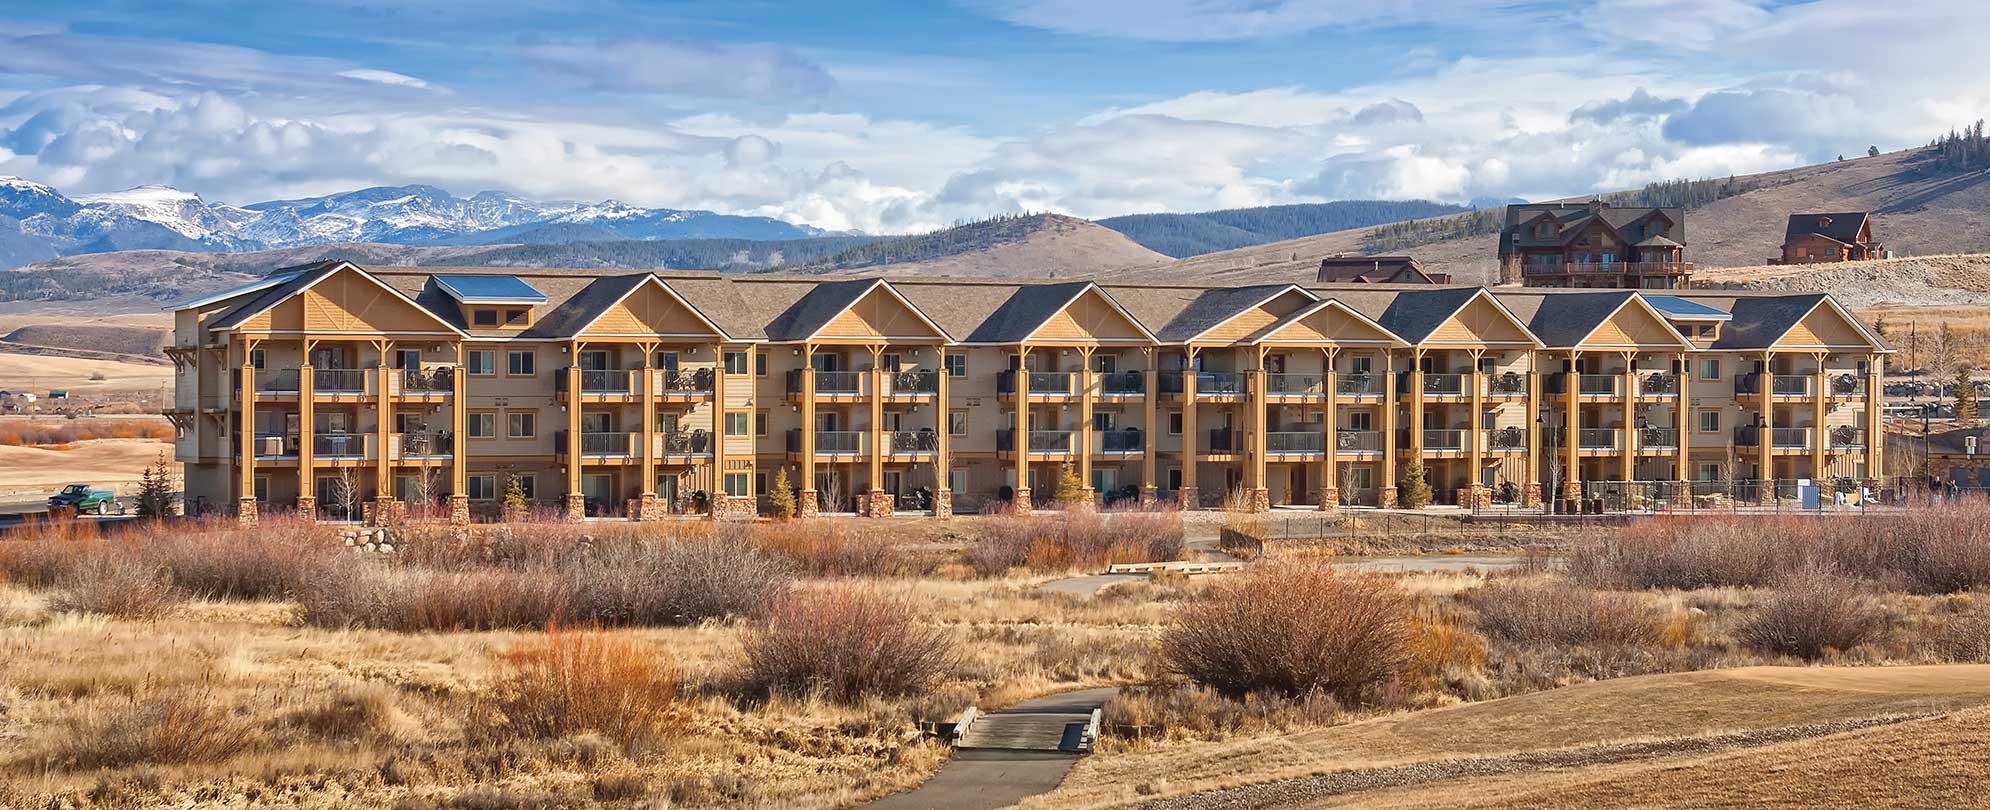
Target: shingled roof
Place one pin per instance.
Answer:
(1842, 228)
(1216, 305)
(1634, 224)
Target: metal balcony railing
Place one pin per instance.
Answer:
(280, 381)
(1848, 385)
(276, 445)
(1355, 385)
(338, 380)
(1123, 383)
(1041, 383)
(1600, 438)
(1608, 268)
(422, 445)
(441, 379)
(1507, 438)
(1040, 441)
(839, 442)
(1443, 439)
(1846, 437)
(1303, 385)
(685, 442)
(924, 381)
(604, 381)
(1657, 438)
(1358, 441)
(1791, 385)
(339, 445)
(1601, 385)
(603, 443)
(1225, 440)
(1791, 438)
(1295, 442)
(1507, 383)
(913, 441)
(1122, 441)
(1748, 436)
(839, 382)
(685, 381)
(1657, 383)
(1444, 384)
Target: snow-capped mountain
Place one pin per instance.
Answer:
(39, 222)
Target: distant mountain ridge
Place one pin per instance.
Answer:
(1185, 235)
(38, 223)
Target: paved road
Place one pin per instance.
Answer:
(1088, 586)
(984, 778)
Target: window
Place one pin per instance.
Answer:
(893, 362)
(516, 317)
(1360, 420)
(262, 488)
(1710, 421)
(256, 358)
(521, 424)
(957, 480)
(956, 365)
(1175, 423)
(1363, 477)
(760, 423)
(405, 487)
(482, 362)
(521, 363)
(1707, 332)
(957, 423)
(1710, 368)
(760, 482)
(736, 424)
(483, 487)
(405, 422)
(666, 361)
(1102, 420)
(483, 425)
(1105, 363)
(735, 362)
(483, 317)
(528, 483)
(1361, 365)
(760, 364)
(1174, 478)
(736, 485)
(407, 358)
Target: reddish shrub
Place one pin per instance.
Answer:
(568, 682)
(1812, 613)
(1292, 630)
(846, 642)
(1567, 615)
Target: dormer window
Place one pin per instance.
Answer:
(1823, 222)
(484, 317)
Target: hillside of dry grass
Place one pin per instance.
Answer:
(1037, 246)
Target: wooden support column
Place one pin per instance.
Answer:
(1086, 384)
(1820, 409)
(1150, 401)
(1386, 488)
(1628, 445)
(1191, 492)
(459, 439)
(1329, 424)
(875, 504)
(943, 443)
(1023, 502)
(247, 509)
(307, 435)
(1766, 450)
(1538, 411)
(810, 502)
(649, 446)
(720, 379)
(1875, 419)
(1571, 475)
(1683, 418)
(1257, 392)
(1476, 438)
(576, 502)
(1416, 405)
(383, 489)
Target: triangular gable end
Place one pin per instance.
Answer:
(1249, 320)
(347, 300)
(651, 309)
(1827, 326)
(1482, 321)
(881, 313)
(1330, 322)
(1634, 325)
(1091, 316)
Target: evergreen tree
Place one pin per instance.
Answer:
(781, 497)
(1965, 394)
(1872, 151)
(1070, 490)
(1414, 490)
(155, 489)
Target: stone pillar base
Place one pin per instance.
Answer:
(1572, 490)
(1088, 498)
(1022, 501)
(384, 510)
(307, 508)
(459, 510)
(1148, 495)
(1260, 501)
(576, 507)
(632, 508)
(808, 504)
(1386, 498)
(1189, 498)
(1476, 496)
(728, 507)
(1329, 498)
(943, 503)
(651, 507)
(1530, 495)
(878, 503)
(245, 511)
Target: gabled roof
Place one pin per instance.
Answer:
(1841, 228)
(830, 299)
(277, 294)
(1032, 306)
(1218, 306)
(1761, 321)
(1414, 314)
(1563, 320)
(584, 309)
(277, 277)
(1263, 335)
(1374, 269)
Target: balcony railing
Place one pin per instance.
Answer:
(596, 443)
(1224, 440)
(1356, 385)
(338, 380)
(913, 441)
(1040, 441)
(424, 445)
(1599, 438)
(1444, 384)
(1608, 385)
(838, 382)
(1302, 385)
(685, 381)
(1846, 437)
(1123, 383)
(604, 381)
(1791, 438)
(1122, 441)
(925, 381)
(1658, 383)
(1358, 441)
(1507, 438)
(280, 381)
(1041, 383)
(1748, 436)
(1848, 385)
(1295, 442)
(339, 445)
(1443, 439)
(431, 380)
(685, 442)
(1630, 268)
(1790, 385)
(276, 445)
(1508, 383)
(1657, 438)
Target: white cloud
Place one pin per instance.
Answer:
(652, 65)
(383, 77)
(1215, 20)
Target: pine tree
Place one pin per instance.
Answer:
(1872, 151)
(1965, 394)
(780, 497)
(1414, 490)
(515, 503)
(1070, 490)
(155, 489)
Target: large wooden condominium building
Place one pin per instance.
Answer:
(338, 388)
(1594, 244)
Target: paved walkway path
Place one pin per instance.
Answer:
(1088, 586)
(989, 777)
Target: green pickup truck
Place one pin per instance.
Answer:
(81, 499)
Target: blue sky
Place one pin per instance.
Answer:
(893, 117)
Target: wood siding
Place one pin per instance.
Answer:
(1090, 319)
